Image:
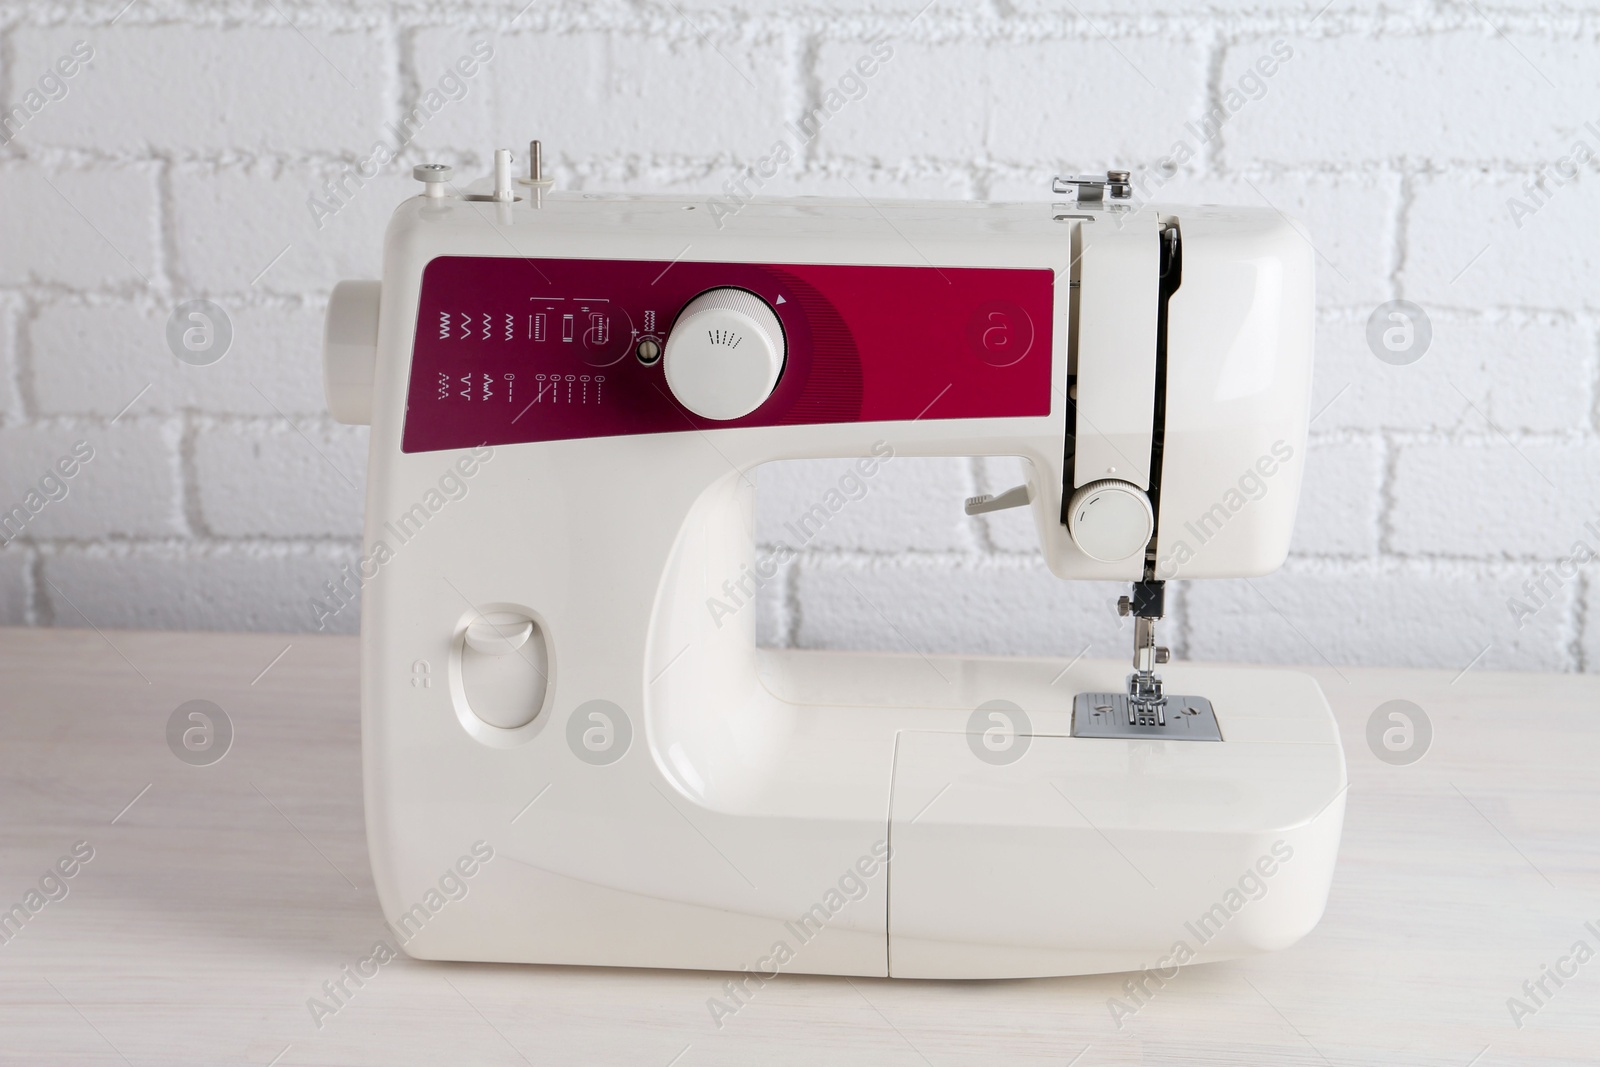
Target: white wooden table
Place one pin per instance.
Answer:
(220, 898)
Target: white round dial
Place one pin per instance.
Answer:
(1110, 520)
(724, 354)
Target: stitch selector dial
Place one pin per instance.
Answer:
(724, 354)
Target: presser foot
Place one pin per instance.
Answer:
(1145, 710)
(1147, 702)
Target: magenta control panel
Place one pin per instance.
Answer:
(512, 350)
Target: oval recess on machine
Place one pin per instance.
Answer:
(505, 668)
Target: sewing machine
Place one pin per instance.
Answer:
(574, 749)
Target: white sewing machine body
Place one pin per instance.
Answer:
(735, 808)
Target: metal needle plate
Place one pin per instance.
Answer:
(1106, 715)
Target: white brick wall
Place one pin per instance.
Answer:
(179, 163)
